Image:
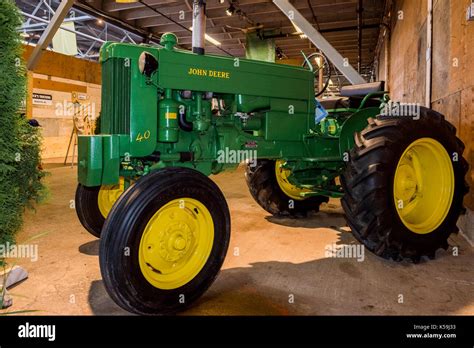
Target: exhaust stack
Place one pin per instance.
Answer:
(199, 26)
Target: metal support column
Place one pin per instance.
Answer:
(360, 11)
(48, 34)
(320, 42)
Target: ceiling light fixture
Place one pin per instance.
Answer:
(230, 11)
(209, 38)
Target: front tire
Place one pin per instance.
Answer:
(87, 209)
(404, 185)
(93, 205)
(164, 241)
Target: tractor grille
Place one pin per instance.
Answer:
(115, 115)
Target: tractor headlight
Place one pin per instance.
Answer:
(147, 64)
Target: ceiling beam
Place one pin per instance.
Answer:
(50, 31)
(337, 58)
(252, 9)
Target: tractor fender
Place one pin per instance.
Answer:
(355, 123)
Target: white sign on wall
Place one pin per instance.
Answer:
(42, 99)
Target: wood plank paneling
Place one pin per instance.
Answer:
(466, 132)
(60, 65)
(58, 86)
(453, 74)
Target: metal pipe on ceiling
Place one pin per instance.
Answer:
(322, 31)
(40, 25)
(63, 28)
(92, 11)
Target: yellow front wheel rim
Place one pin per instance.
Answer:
(176, 243)
(108, 195)
(423, 185)
(282, 174)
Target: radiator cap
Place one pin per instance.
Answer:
(169, 40)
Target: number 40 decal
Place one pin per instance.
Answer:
(145, 136)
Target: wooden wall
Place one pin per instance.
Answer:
(59, 75)
(60, 65)
(453, 72)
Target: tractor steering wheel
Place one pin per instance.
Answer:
(319, 64)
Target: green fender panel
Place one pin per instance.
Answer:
(99, 159)
(356, 123)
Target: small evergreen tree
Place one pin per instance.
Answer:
(20, 176)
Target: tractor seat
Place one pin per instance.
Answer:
(345, 103)
(335, 103)
(362, 90)
(352, 96)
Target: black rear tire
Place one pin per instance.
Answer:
(264, 188)
(368, 185)
(87, 209)
(125, 225)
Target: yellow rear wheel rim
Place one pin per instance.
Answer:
(176, 243)
(423, 185)
(286, 186)
(108, 195)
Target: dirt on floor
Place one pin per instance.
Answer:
(274, 266)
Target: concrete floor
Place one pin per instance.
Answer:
(278, 260)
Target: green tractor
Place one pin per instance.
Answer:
(170, 118)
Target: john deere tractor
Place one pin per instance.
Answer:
(170, 118)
